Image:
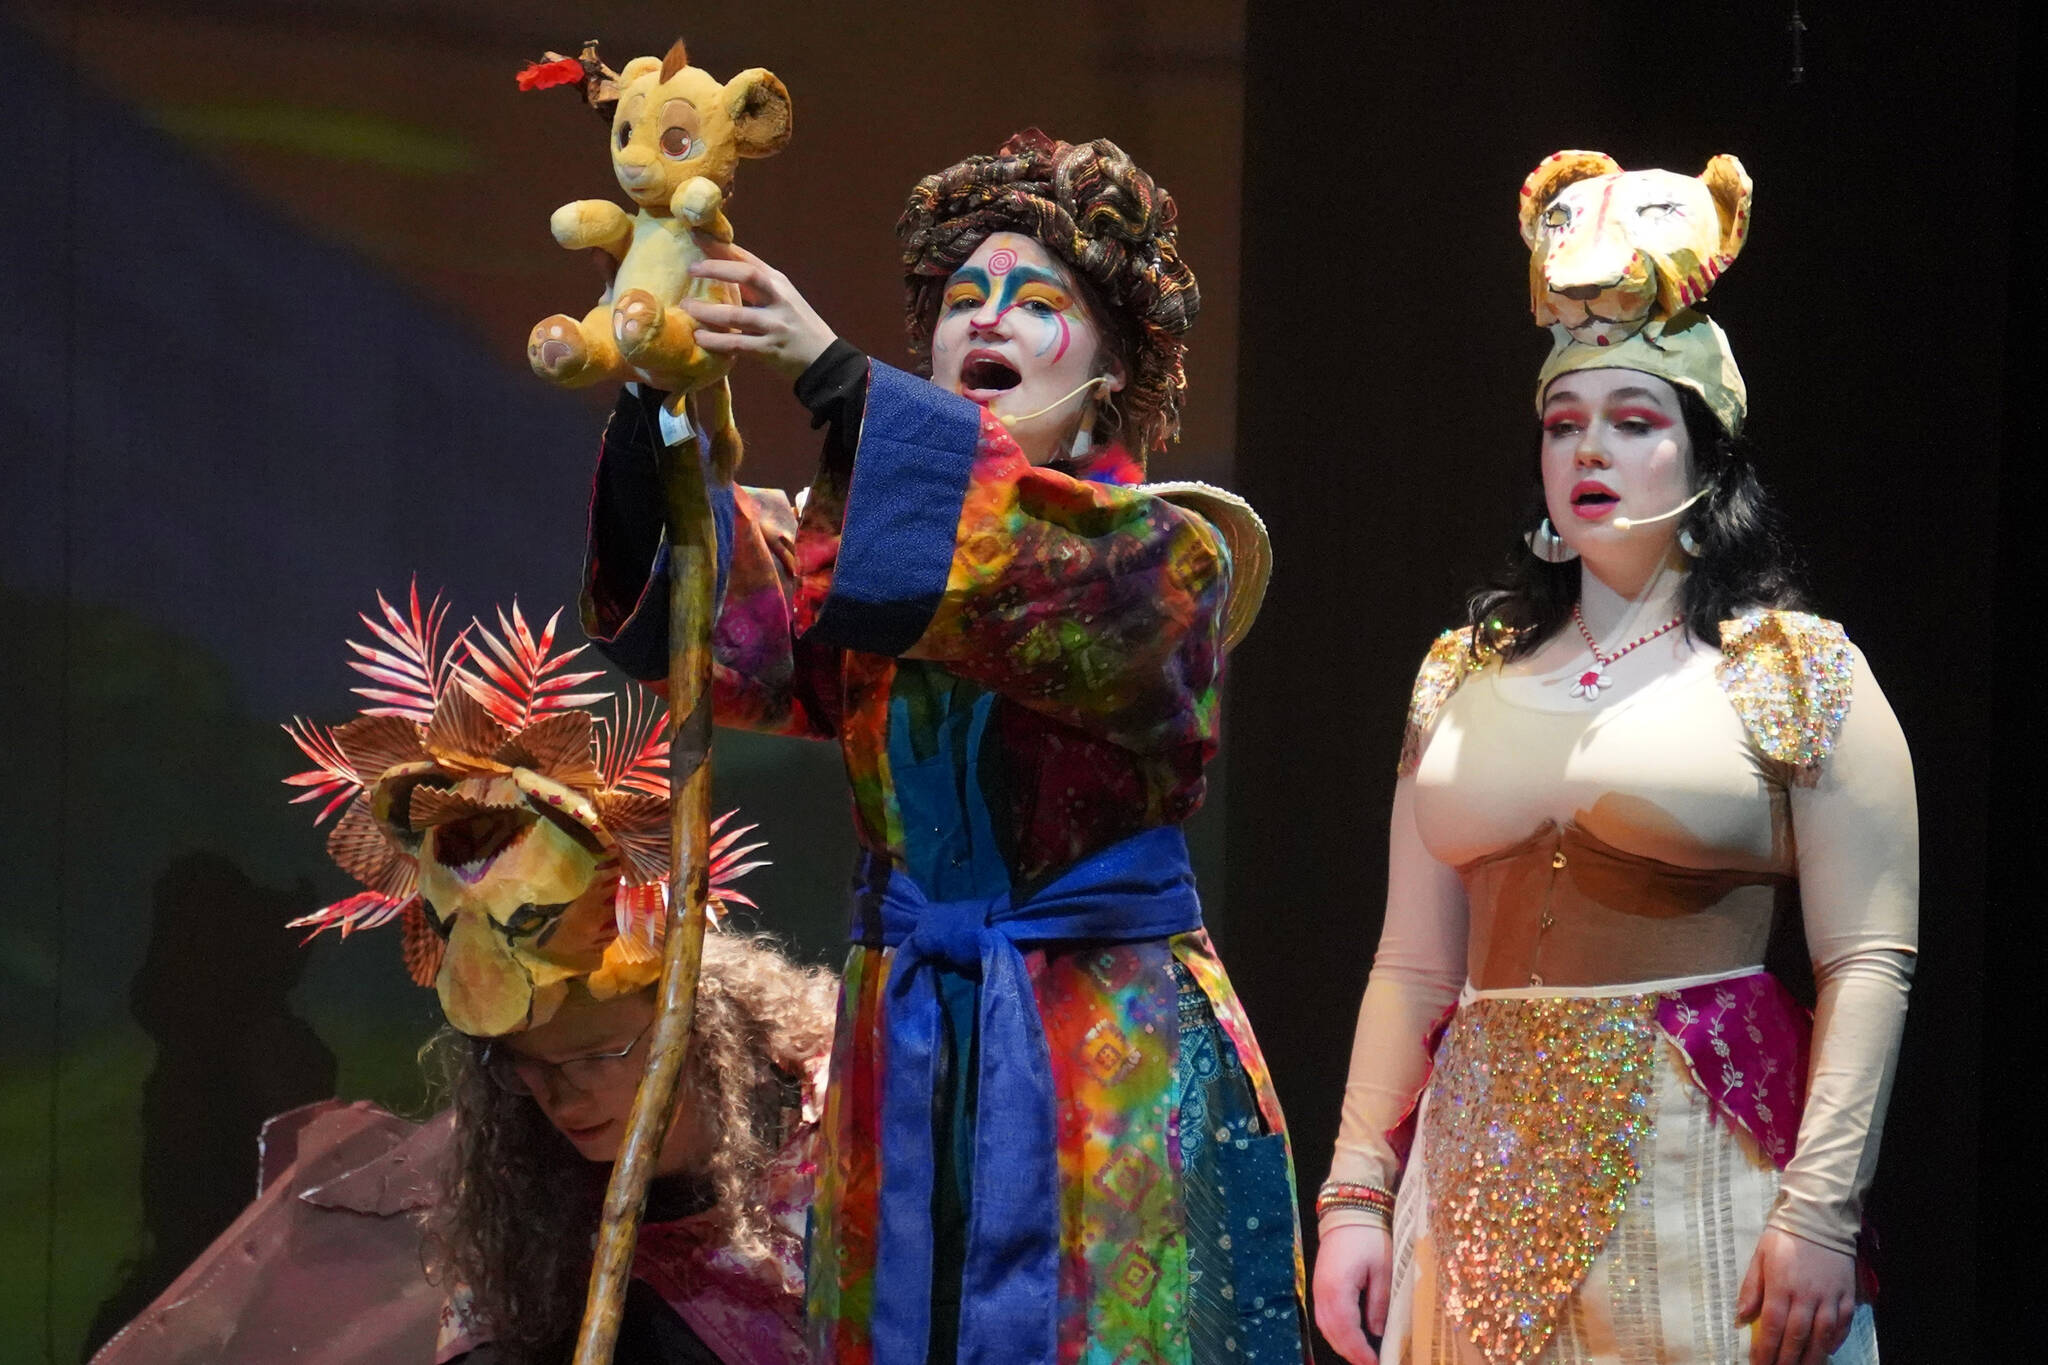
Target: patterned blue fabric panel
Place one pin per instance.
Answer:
(1240, 1205)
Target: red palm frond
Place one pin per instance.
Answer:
(333, 776)
(632, 750)
(726, 867)
(364, 910)
(641, 902)
(642, 914)
(522, 679)
(413, 667)
(641, 911)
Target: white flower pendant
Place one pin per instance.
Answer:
(1590, 682)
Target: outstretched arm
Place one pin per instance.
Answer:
(1095, 603)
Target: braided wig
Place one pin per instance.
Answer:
(1096, 211)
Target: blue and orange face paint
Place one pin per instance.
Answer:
(1040, 295)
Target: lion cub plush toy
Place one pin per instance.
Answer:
(677, 137)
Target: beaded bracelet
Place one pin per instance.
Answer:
(1345, 1194)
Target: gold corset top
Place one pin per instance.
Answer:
(1563, 908)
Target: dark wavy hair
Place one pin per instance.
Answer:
(520, 1207)
(1744, 562)
(1093, 208)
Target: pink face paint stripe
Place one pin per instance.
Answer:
(1066, 335)
(1051, 336)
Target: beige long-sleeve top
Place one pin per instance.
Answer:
(1699, 788)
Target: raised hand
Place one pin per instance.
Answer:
(772, 321)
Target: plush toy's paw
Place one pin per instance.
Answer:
(555, 349)
(636, 321)
(588, 223)
(697, 202)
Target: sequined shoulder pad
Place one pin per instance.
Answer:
(1450, 660)
(1788, 675)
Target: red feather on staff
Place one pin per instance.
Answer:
(547, 75)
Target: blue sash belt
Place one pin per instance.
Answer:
(1142, 888)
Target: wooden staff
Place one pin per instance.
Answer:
(693, 568)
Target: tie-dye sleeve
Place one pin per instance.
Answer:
(763, 678)
(1096, 604)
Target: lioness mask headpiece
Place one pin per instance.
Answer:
(1619, 261)
(521, 842)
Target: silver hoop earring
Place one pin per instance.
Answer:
(1687, 543)
(1547, 545)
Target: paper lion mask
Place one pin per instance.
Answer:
(1610, 250)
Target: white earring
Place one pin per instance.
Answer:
(1687, 543)
(1547, 545)
(1098, 411)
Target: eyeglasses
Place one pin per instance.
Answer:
(522, 1075)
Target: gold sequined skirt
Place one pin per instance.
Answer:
(1572, 1198)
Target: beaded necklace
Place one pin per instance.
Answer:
(1594, 679)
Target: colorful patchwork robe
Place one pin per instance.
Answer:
(1021, 667)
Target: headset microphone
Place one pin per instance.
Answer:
(1056, 403)
(1630, 523)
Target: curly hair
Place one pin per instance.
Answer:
(1745, 559)
(521, 1206)
(1094, 209)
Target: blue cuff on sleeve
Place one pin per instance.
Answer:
(910, 475)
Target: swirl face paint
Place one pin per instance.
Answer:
(1037, 302)
(1014, 335)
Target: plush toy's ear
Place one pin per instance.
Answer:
(1556, 171)
(635, 69)
(1730, 185)
(759, 105)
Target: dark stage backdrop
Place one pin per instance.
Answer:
(1385, 431)
(270, 268)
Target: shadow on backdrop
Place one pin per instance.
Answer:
(213, 994)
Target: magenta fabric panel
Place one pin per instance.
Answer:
(1747, 1043)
